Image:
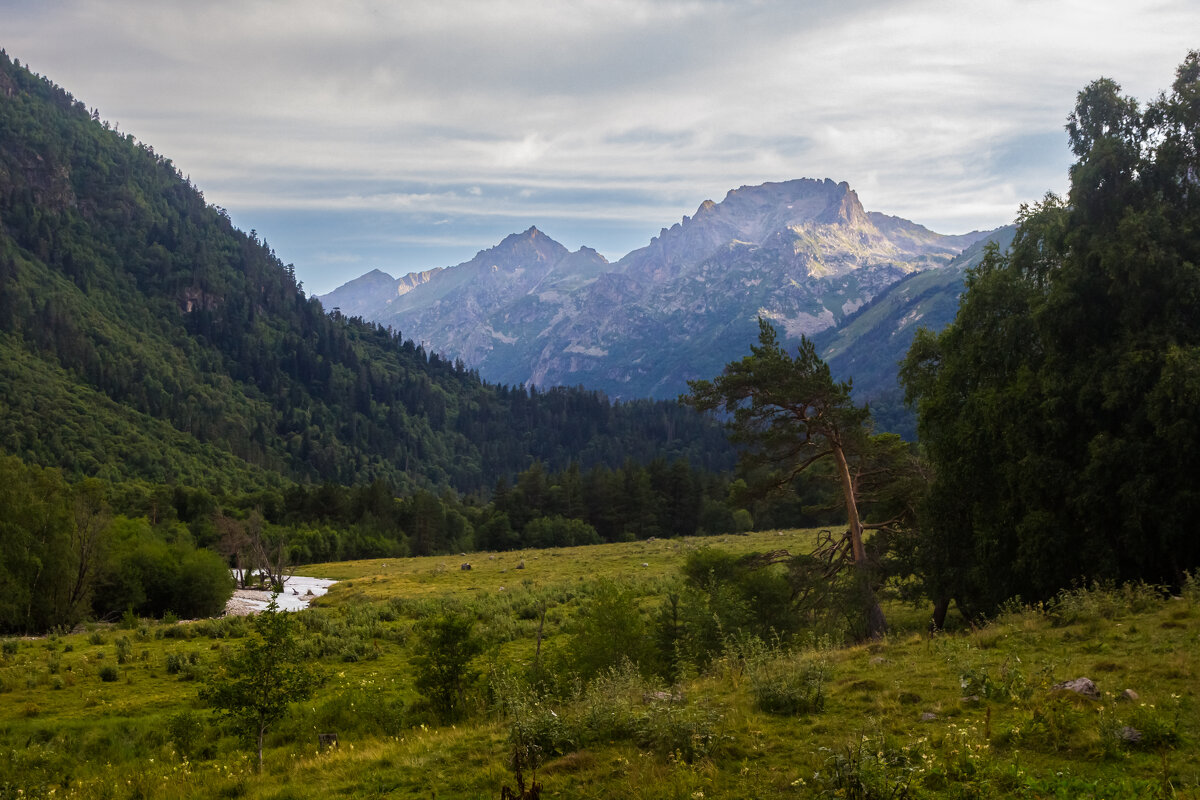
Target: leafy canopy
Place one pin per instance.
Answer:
(1059, 410)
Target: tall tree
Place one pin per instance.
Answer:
(788, 414)
(1059, 409)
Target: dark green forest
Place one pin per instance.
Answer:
(1060, 411)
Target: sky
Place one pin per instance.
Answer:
(358, 135)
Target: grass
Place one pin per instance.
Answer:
(969, 713)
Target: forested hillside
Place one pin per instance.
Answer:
(143, 336)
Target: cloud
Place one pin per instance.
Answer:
(624, 111)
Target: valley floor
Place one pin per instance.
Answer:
(114, 713)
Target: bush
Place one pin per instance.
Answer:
(608, 630)
(147, 576)
(687, 732)
(108, 674)
(445, 646)
(788, 684)
(612, 702)
(124, 650)
(536, 731)
(185, 730)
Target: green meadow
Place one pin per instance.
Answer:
(113, 711)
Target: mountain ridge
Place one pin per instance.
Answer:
(803, 253)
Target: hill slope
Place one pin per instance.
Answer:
(869, 345)
(142, 335)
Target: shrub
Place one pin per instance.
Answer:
(788, 684)
(1005, 684)
(185, 730)
(611, 703)
(536, 731)
(124, 649)
(871, 769)
(108, 674)
(446, 644)
(608, 630)
(687, 732)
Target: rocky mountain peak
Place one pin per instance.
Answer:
(524, 249)
(762, 215)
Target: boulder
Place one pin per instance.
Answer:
(1080, 686)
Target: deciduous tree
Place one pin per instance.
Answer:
(256, 685)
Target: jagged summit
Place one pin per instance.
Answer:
(516, 248)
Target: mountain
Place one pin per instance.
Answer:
(803, 253)
(143, 336)
(870, 344)
(359, 297)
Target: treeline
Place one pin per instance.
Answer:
(328, 522)
(94, 550)
(173, 348)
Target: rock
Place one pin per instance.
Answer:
(971, 700)
(1129, 695)
(465, 566)
(1129, 735)
(928, 716)
(1080, 686)
(662, 697)
(520, 565)
(878, 660)
(644, 564)
(491, 558)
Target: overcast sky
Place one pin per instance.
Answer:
(405, 135)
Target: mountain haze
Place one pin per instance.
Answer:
(803, 253)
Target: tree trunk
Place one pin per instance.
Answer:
(939, 614)
(876, 623)
(261, 730)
